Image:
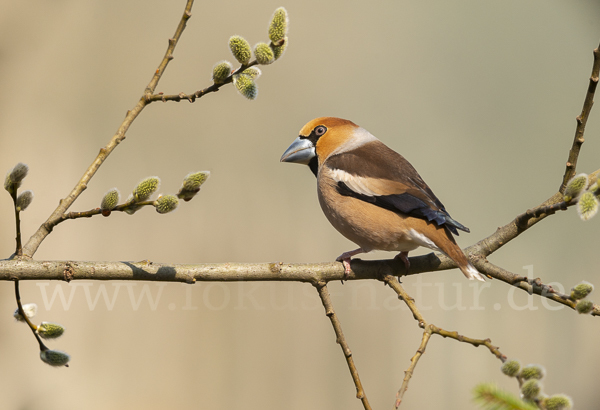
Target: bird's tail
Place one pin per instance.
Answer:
(454, 252)
(470, 272)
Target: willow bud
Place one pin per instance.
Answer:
(263, 53)
(48, 330)
(15, 176)
(55, 357)
(166, 203)
(245, 86)
(221, 71)
(587, 206)
(144, 190)
(24, 200)
(240, 48)
(30, 310)
(110, 201)
(279, 25)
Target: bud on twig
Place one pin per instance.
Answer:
(24, 200)
(166, 203)
(279, 25)
(191, 184)
(30, 310)
(240, 48)
(55, 357)
(110, 201)
(221, 71)
(144, 190)
(15, 176)
(48, 330)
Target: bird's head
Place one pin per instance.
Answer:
(321, 138)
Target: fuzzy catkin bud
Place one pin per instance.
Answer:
(584, 306)
(252, 72)
(245, 86)
(48, 330)
(279, 25)
(575, 186)
(558, 402)
(533, 371)
(264, 54)
(595, 187)
(531, 389)
(166, 203)
(144, 190)
(581, 290)
(55, 357)
(30, 310)
(24, 200)
(132, 208)
(191, 184)
(278, 50)
(240, 48)
(511, 368)
(221, 71)
(587, 206)
(110, 201)
(15, 176)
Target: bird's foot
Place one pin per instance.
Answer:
(403, 256)
(345, 259)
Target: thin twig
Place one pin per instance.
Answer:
(429, 329)
(210, 89)
(410, 302)
(581, 122)
(413, 363)
(200, 93)
(19, 246)
(464, 339)
(97, 211)
(36, 239)
(341, 340)
(406, 298)
(24, 316)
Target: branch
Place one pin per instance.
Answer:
(198, 94)
(36, 239)
(429, 330)
(413, 363)
(28, 269)
(341, 340)
(581, 122)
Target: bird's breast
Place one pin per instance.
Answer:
(369, 226)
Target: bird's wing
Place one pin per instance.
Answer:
(376, 174)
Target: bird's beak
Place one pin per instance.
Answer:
(301, 151)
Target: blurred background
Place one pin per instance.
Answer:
(481, 97)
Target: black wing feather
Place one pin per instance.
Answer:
(406, 204)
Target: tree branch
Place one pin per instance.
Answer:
(581, 122)
(429, 329)
(36, 239)
(28, 269)
(341, 340)
(413, 363)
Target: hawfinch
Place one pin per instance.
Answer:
(372, 195)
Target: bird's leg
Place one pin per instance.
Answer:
(345, 259)
(403, 256)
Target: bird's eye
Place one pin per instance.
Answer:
(320, 130)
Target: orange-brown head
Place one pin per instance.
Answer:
(322, 137)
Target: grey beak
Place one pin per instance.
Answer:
(301, 151)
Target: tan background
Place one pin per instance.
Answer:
(480, 96)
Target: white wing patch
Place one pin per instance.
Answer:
(422, 240)
(360, 185)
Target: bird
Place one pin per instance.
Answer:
(373, 196)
